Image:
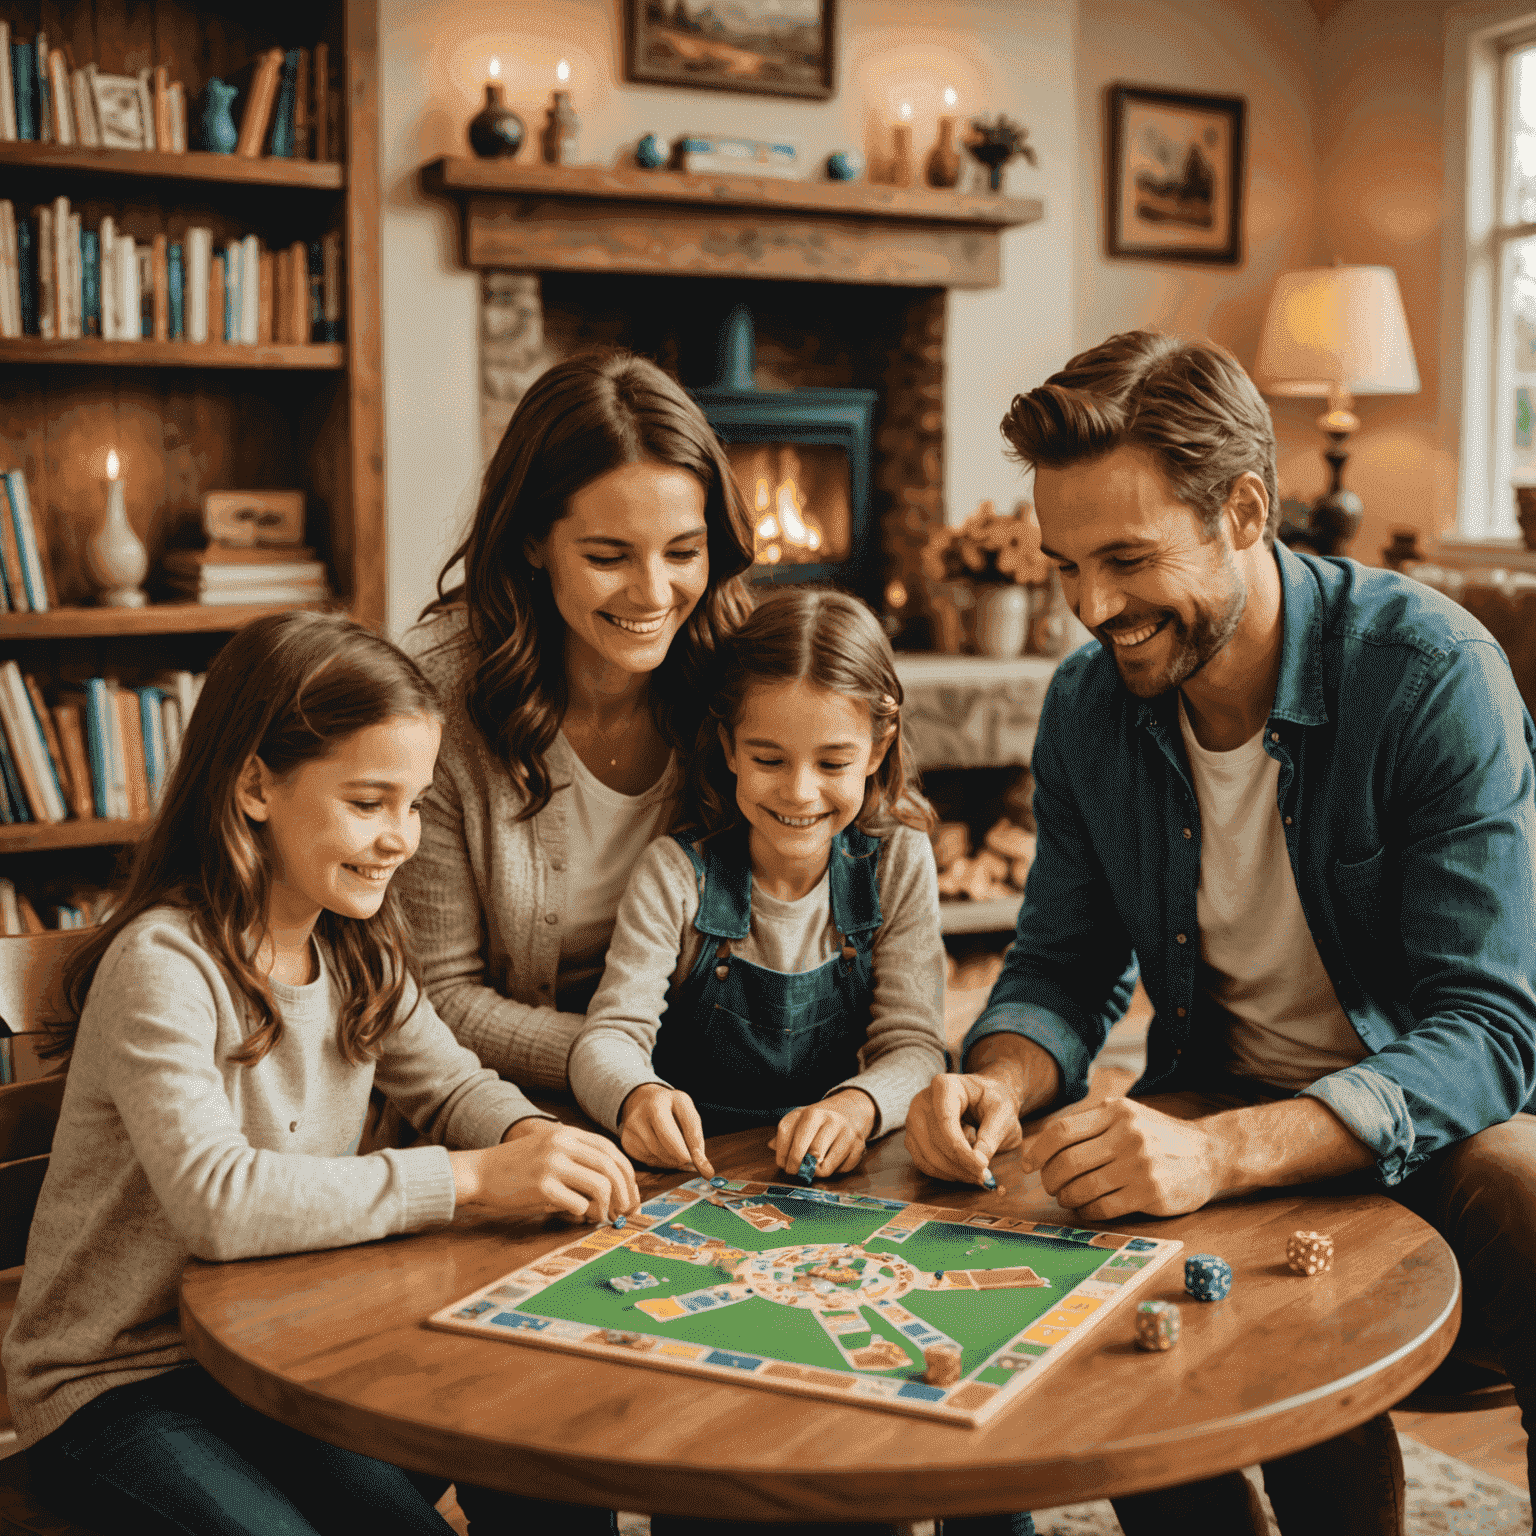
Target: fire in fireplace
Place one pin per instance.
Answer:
(801, 458)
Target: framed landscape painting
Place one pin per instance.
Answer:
(764, 47)
(1175, 176)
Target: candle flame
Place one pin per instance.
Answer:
(113, 464)
(950, 96)
(562, 71)
(495, 69)
(905, 111)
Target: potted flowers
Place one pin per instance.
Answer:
(980, 577)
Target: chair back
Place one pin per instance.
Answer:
(32, 978)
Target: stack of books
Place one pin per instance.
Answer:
(221, 574)
(85, 907)
(59, 279)
(710, 153)
(287, 105)
(103, 750)
(26, 574)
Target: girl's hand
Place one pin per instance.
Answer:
(543, 1167)
(833, 1131)
(660, 1126)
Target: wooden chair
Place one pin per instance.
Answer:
(31, 996)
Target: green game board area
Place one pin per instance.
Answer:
(913, 1307)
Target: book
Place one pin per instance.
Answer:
(44, 92)
(30, 921)
(218, 300)
(117, 753)
(250, 290)
(234, 303)
(319, 113)
(62, 266)
(298, 292)
(330, 319)
(184, 566)
(69, 726)
(176, 292)
(90, 282)
(76, 283)
(160, 92)
(47, 283)
(160, 322)
(87, 130)
(147, 108)
(282, 298)
(152, 732)
(98, 735)
(261, 94)
(25, 531)
(7, 89)
(302, 143)
(55, 747)
(281, 143)
(62, 98)
(10, 272)
(279, 594)
(199, 250)
(10, 921)
(265, 278)
(240, 555)
(29, 749)
(26, 276)
(10, 555)
(145, 257)
(107, 275)
(24, 90)
(316, 290)
(128, 296)
(170, 730)
(178, 118)
(15, 798)
(131, 734)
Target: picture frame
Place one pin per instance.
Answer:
(756, 47)
(119, 111)
(1174, 175)
(248, 519)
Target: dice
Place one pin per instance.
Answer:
(1157, 1325)
(1309, 1253)
(1207, 1277)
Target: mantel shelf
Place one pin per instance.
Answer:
(194, 165)
(92, 351)
(537, 217)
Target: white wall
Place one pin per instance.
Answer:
(1016, 56)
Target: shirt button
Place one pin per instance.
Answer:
(1187, 833)
(1181, 938)
(1287, 821)
(1181, 1011)
(293, 1125)
(722, 971)
(551, 917)
(1274, 735)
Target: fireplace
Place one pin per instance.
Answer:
(802, 459)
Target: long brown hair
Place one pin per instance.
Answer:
(1188, 403)
(286, 688)
(813, 635)
(590, 414)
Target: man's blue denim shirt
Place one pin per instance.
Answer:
(1407, 761)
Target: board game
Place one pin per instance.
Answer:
(914, 1308)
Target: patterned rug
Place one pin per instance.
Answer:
(1446, 1497)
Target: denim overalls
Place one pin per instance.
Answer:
(748, 1044)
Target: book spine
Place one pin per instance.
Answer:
(44, 95)
(316, 292)
(282, 113)
(160, 323)
(302, 142)
(97, 747)
(146, 276)
(16, 800)
(147, 109)
(170, 731)
(26, 276)
(76, 278)
(69, 727)
(90, 282)
(87, 130)
(24, 88)
(27, 750)
(26, 540)
(178, 118)
(176, 286)
(218, 299)
(117, 756)
(331, 327)
(265, 281)
(161, 87)
(282, 297)
(63, 320)
(63, 97)
(10, 271)
(234, 304)
(151, 729)
(47, 314)
(126, 298)
(250, 290)
(7, 86)
(10, 552)
(107, 262)
(135, 768)
(199, 248)
(319, 112)
(257, 115)
(10, 915)
(54, 747)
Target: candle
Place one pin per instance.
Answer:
(951, 98)
(113, 554)
(116, 494)
(495, 69)
(904, 111)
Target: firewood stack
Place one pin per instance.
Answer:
(998, 868)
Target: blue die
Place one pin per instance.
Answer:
(1206, 1277)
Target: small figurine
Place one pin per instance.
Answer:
(651, 153)
(560, 130)
(845, 165)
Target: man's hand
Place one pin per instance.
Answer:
(1121, 1156)
(834, 1131)
(958, 1122)
(660, 1126)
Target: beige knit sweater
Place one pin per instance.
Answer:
(166, 1149)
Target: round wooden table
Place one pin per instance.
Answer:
(334, 1344)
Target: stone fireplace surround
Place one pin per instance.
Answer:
(847, 284)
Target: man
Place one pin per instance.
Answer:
(1297, 793)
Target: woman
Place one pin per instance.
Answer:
(602, 569)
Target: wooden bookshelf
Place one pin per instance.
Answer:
(187, 418)
(92, 351)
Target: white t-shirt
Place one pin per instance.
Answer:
(606, 833)
(1258, 962)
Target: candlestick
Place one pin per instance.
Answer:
(113, 554)
(495, 131)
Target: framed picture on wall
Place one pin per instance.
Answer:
(1175, 176)
(763, 47)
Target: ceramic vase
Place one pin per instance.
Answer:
(219, 132)
(942, 168)
(495, 131)
(1002, 619)
(115, 557)
(651, 153)
(901, 155)
(560, 130)
(1050, 621)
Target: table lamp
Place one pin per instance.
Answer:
(1336, 332)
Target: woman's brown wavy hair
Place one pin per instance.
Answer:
(287, 689)
(812, 635)
(590, 414)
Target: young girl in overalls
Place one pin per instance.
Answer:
(778, 962)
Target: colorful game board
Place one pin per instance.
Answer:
(833, 1295)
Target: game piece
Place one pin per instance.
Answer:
(1309, 1253)
(807, 1169)
(987, 1181)
(639, 1281)
(619, 1221)
(1207, 1277)
(677, 1226)
(1157, 1325)
(717, 1182)
(943, 1365)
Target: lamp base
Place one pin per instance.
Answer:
(1335, 521)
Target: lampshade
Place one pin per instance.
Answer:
(1336, 326)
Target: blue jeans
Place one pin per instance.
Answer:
(178, 1454)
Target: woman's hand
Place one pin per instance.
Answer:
(660, 1126)
(833, 1131)
(542, 1167)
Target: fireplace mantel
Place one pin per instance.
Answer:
(589, 219)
